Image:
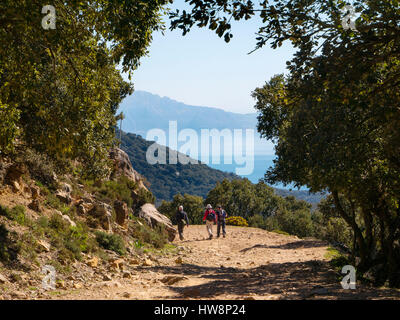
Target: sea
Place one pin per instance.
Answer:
(262, 163)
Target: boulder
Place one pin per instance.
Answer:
(14, 175)
(66, 218)
(64, 197)
(123, 166)
(94, 262)
(64, 193)
(66, 187)
(84, 205)
(122, 212)
(102, 212)
(35, 191)
(117, 264)
(154, 218)
(81, 209)
(35, 205)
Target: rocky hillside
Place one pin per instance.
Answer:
(167, 180)
(84, 230)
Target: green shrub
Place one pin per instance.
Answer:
(296, 222)
(52, 201)
(40, 167)
(79, 236)
(192, 205)
(70, 241)
(236, 221)
(120, 189)
(144, 234)
(111, 242)
(9, 248)
(257, 221)
(17, 214)
(144, 196)
(57, 223)
(281, 232)
(335, 230)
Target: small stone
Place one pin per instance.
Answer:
(68, 220)
(134, 261)
(107, 277)
(127, 275)
(44, 246)
(126, 295)
(179, 260)
(78, 285)
(147, 262)
(117, 264)
(170, 280)
(3, 279)
(35, 205)
(18, 295)
(35, 191)
(93, 262)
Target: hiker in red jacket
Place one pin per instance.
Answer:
(210, 217)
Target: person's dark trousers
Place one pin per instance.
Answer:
(221, 224)
(180, 230)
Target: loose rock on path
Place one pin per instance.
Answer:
(249, 263)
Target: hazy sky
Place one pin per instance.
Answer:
(201, 69)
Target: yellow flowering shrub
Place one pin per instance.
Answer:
(237, 221)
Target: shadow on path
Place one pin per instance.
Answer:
(297, 280)
(303, 244)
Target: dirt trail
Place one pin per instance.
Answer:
(248, 264)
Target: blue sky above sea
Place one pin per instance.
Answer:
(200, 69)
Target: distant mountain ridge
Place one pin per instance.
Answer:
(144, 111)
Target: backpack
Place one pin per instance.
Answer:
(181, 216)
(221, 214)
(211, 216)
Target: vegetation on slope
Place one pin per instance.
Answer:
(167, 180)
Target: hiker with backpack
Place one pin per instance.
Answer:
(182, 220)
(221, 216)
(209, 218)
